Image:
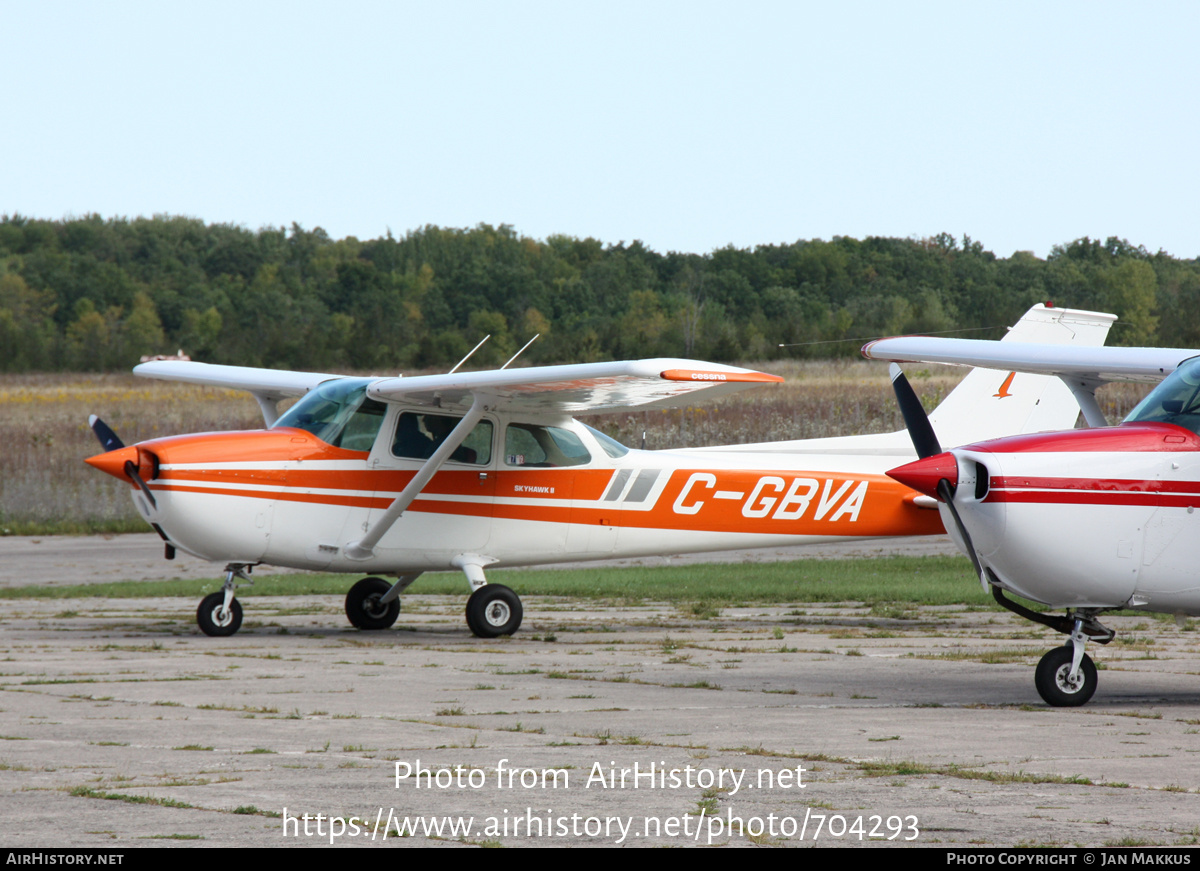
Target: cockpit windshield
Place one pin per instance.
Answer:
(339, 413)
(1176, 400)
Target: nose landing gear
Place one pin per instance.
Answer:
(220, 614)
(1059, 684)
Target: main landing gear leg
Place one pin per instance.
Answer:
(220, 614)
(493, 609)
(373, 603)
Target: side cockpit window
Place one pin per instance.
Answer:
(1176, 400)
(527, 444)
(360, 431)
(419, 435)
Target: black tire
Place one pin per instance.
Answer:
(494, 610)
(363, 607)
(1051, 678)
(215, 623)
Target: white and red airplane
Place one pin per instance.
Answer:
(399, 476)
(1086, 520)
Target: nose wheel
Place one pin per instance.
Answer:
(219, 614)
(1055, 683)
(1066, 676)
(217, 620)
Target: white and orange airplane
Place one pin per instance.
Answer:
(1086, 520)
(399, 476)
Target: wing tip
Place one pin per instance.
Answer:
(745, 376)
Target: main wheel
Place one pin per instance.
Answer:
(364, 608)
(1053, 683)
(214, 620)
(494, 610)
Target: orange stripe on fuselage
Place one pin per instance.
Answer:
(760, 502)
(586, 484)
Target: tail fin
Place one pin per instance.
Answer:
(989, 403)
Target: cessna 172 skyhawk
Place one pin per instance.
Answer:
(1086, 520)
(398, 476)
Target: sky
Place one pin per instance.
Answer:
(689, 126)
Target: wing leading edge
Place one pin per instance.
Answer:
(576, 389)
(572, 389)
(1100, 364)
(1081, 367)
(268, 386)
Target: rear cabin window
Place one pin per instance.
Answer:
(527, 444)
(611, 446)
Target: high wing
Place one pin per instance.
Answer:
(1097, 364)
(1082, 368)
(573, 389)
(583, 388)
(268, 386)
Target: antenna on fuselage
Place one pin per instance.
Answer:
(522, 351)
(468, 357)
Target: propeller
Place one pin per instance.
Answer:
(111, 442)
(934, 465)
(108, 439)
(920, 430)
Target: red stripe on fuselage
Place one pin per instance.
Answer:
(1093, 491)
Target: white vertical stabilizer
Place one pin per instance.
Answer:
(988, 403)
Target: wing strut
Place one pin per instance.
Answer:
(268, 405)
(364, 548)
(1084, 391)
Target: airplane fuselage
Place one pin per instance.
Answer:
(285, 497)
(1097, 518)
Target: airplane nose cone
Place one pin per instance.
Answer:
(114, 462)
(924, 474)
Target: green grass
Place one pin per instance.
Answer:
(69, 526)
(916, 580)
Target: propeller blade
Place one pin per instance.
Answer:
(131, 470)
(946, 492)
(108, 438)
(920, 430)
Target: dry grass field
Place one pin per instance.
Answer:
(45, 487)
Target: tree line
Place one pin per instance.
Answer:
(91, 293)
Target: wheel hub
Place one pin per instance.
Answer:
(1066, 683)
(373, 608)
(497, 613)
